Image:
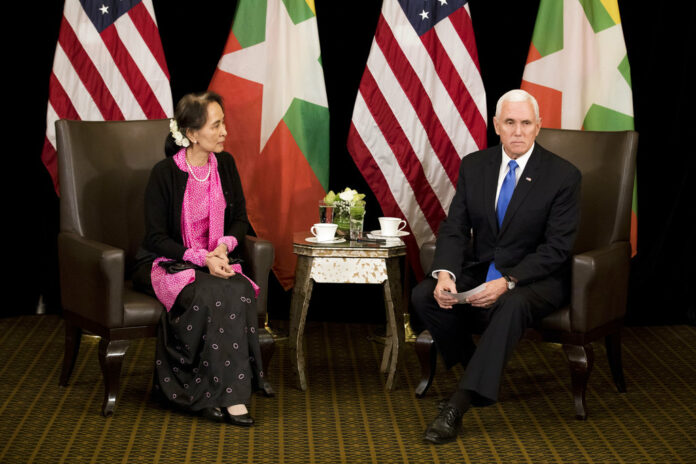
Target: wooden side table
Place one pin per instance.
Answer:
(347, 262)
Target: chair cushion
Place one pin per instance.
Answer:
(139, 309)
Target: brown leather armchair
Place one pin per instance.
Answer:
(103, 170)
(600, 263)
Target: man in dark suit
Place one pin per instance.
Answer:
(512, 224)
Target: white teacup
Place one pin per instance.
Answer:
(391, 226)
(324, 232)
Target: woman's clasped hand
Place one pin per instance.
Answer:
(218, 263)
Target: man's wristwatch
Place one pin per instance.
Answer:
(510, 282)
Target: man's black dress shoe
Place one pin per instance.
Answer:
(445, 426)
(213, 414)
(241, 420)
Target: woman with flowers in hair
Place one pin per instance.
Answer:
(208, 357)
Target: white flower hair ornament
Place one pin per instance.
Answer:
(179, 138)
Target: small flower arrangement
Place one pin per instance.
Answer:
(179, 138)
(343, 203)
(349, 196)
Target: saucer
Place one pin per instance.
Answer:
(327, 242)
(378, 234)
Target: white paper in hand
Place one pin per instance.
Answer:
(461, 297)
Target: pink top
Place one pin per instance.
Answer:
(202, 228)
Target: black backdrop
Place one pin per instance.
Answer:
(659, 38)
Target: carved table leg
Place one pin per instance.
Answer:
(301, 294)
(581, 359)
(388, 342)
(111, 354)
(395, 316)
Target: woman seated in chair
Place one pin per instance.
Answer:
(208, 358)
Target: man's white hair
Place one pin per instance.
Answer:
(517, 95)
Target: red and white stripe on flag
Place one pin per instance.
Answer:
(109, 65)
(420, 108)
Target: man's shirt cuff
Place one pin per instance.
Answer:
(434, 274)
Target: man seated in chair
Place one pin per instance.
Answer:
(512, 224)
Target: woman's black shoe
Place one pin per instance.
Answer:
(241, 420)
(213, 414)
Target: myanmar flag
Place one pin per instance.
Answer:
(578, 70)
(277, 119)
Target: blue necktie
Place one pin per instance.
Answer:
(503, 201)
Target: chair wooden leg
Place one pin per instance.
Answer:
(267, 345)
(111, 354)
(581, 359)
(73, 336)
(613, 344)
(427, 357)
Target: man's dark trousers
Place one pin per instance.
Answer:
(501, 327)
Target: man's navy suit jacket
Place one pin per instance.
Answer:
(534, 244)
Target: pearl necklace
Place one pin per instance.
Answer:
(194, 175)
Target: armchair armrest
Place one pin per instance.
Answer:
(599, 286)
(258, 257)
(91, 275)
(427, 255)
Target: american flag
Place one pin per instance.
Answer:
(109, 65)
(420, 108)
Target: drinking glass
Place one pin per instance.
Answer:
(325, 212)
(357, 217)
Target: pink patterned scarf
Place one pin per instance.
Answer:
(168, 286)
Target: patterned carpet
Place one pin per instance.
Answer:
(346, 415)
